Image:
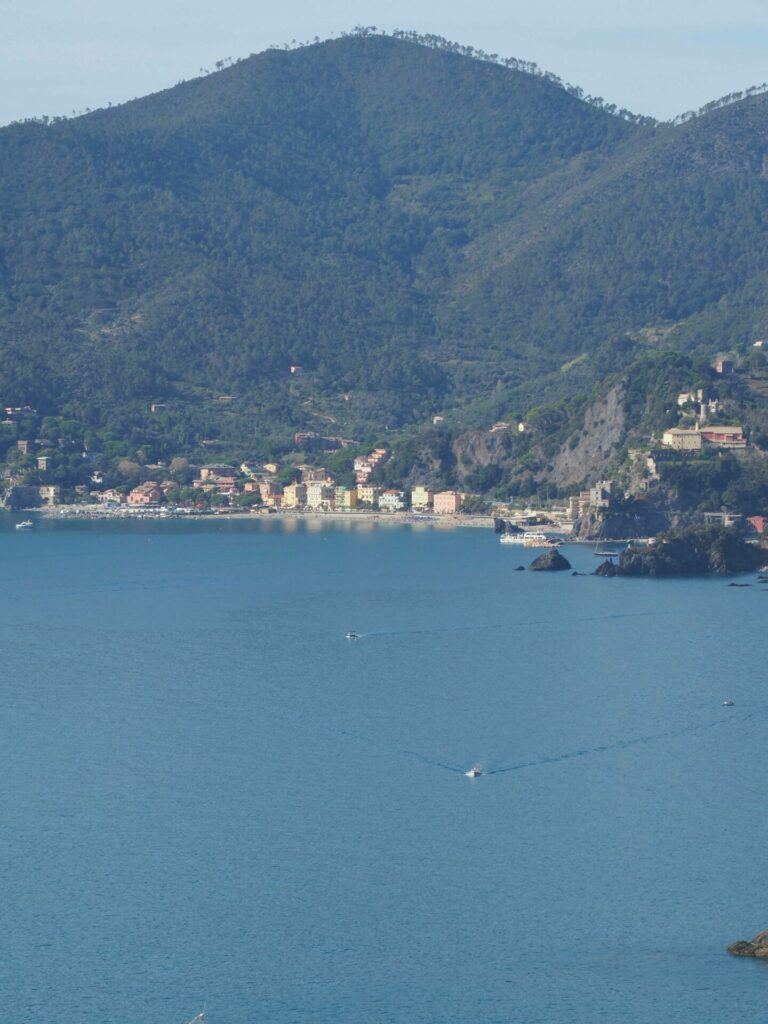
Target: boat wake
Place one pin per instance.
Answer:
(570, 755)
(605, 748)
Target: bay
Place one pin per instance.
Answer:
(209, 795)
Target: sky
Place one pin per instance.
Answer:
(658, 57)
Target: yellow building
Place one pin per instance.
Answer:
(367, 494)
(682, 439)
(345, 497)
(294, 495)
(421, 498)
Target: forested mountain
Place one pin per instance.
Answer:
(421, 231)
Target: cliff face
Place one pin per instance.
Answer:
(637, 521)
(603, 432)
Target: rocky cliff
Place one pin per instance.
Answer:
(695, 550)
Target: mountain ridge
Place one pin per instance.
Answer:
(425, 233)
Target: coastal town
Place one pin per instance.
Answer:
(64, 472)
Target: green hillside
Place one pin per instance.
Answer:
(421, 231)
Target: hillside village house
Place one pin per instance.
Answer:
(218, 473)
(421, 498)
(682, 439)
(695, 438)
(364, 465)
(447, 503)
(724, 437)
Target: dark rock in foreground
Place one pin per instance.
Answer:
(607, 568)
(550, 561)
(693, 551)
(756, 947)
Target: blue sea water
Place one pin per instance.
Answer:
(210, 796)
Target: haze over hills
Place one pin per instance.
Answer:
(421, 231)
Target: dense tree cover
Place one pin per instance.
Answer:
(421, 230)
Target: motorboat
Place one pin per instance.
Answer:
(531, 539)
(351, 635)
(474, 771)
(26, 524)
(727, 703)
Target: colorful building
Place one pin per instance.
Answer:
(447, 503)
(392, 501)
(294, 495)
(345, 497)
(421, 498)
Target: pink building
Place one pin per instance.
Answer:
(447, 503)
(145, 494)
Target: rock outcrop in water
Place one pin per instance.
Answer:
(607, 568)
(754, 947)
(550, 561)
(693, 551)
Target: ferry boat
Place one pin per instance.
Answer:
(26, 524)
(531, 539)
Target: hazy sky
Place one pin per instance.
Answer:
(656, 57)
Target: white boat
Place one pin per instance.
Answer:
(474, 771)
(531, 539)
(727, 703)
(27, 524)
(351, 635)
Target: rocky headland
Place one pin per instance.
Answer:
(693, 551)
(754, 947)
(689, 551)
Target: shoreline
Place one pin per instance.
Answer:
(124, 513)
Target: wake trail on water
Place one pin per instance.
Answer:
(393, 748)
(489, 627)
(604, 748)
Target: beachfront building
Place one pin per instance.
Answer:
(271, 493)
(447, 503)
(294, 496)
(368, 494)
(421, 498)
(392, 501)
(50, 494)
(145, 494)
(345, 498)
(319, 495)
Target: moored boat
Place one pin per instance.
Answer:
(531, 539)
